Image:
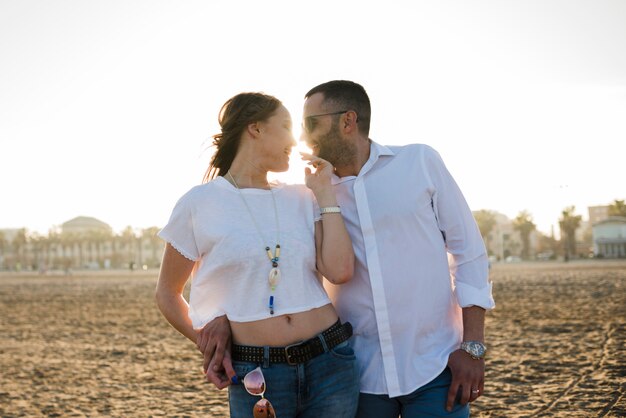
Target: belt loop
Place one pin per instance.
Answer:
(266, 356)
(323, 341)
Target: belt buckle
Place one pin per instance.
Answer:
(288, 356)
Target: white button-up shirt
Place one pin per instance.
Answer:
(419, 260)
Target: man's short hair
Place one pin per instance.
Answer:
(348, 95)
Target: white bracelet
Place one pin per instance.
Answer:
(330, 209)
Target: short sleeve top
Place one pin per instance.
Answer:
(211, 224)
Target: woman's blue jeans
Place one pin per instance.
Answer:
(326, 386)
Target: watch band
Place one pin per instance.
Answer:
(330, 209)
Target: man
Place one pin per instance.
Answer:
(420, 289)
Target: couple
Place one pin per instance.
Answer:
(378, 224)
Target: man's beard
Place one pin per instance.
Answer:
(334, 149)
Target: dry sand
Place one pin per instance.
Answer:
(93, 344)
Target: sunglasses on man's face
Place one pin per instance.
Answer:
(254, 382)
(310, 122)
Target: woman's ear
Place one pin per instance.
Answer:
(253, 129)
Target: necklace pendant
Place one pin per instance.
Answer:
(274, 277)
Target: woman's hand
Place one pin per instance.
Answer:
(334, 253)
(319, 180)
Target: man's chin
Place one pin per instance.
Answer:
(324, 156)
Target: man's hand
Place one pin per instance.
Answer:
(213, 341)
(468, 377)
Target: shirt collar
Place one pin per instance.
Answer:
(376, 151)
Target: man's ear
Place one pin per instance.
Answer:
(349, 122)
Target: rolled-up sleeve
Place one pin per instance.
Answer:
(467, 256)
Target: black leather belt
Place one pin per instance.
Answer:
(295, 353)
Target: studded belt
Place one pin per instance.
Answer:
(295, 353)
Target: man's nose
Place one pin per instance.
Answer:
(304, 137)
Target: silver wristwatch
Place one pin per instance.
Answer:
(476, 349)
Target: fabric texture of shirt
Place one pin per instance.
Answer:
(212, 225)
(420, 258)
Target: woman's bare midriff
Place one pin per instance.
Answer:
(284, 329)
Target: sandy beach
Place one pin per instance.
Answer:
(94, 344)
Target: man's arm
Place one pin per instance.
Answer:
(468, 374)
(469, 268)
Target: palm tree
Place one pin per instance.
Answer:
(569, 223)
(617, 208)
(68, 241)
(129, 239)
(19, 242)
(3, 246)
(39, 245)
(105, 238)
(114, 255)
(155, 243)
(81, 240)
(523, 223)
(54, 243)
(486, 220)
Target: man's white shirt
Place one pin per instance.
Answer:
(419, 260)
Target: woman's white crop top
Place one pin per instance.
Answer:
(210, 224)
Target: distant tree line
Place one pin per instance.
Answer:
(132, 248)
(569, 222)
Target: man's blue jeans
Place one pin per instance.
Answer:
(427, 401)
(326, 386)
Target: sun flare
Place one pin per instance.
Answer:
(295, 174)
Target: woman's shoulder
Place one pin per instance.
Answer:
(201, 191)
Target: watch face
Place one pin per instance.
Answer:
(474, 348)
(477, 349)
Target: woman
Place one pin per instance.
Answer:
(254, 251)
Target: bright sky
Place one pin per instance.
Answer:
(107, 107)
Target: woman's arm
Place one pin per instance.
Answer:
(175, 270)
(335, 256)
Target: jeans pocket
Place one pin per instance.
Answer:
(343, 351)
(242, 368)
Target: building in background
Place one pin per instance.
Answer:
(9, 247)
(85, 225)
(609, 237)
(504, 243)
(80, 243)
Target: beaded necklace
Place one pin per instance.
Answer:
(274, 275)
